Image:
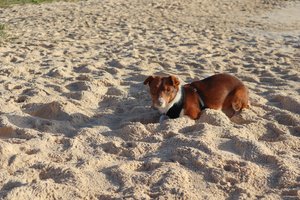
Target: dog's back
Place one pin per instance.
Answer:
(223, 92)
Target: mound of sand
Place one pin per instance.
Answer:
(75, 117)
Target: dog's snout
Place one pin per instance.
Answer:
(160, 101)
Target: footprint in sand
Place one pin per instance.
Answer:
(58, 72)
(116, 64)
(287, 119)
(252, 150)
(135, 173)
(75, 95)
(115, 91)
(274, 133)
(290, 103)
(84, 69)
(295, 131)
(22, 99)
(57, 174)
(232, 173)
(79, 86)
(84, 77)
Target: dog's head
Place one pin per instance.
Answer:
(163, 90)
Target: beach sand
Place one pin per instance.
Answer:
(76, 120)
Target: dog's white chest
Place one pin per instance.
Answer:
(181, 113)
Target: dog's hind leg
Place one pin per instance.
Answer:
(240, 98)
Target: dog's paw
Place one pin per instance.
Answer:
(237, 106)
(163, 118)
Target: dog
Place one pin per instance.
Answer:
(220, 92)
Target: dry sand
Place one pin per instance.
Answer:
(75, 118)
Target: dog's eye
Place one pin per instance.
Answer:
(168, 90)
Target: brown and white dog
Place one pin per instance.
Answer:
(221, 92)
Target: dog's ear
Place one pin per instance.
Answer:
(174, 80)
(148, 80)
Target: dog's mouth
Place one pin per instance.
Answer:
(158, 107)
(161, 108)
(160, 103)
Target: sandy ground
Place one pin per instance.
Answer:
(76, 121)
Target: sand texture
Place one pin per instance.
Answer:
(76, 120)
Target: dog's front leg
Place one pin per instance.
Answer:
(162, 118)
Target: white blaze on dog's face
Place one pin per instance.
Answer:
(163, 91)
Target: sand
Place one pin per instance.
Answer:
(76, 120)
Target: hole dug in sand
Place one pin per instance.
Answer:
(56, 111)
(54, 117)
(53, 110)
(8, 130)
